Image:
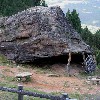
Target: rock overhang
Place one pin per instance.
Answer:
(39, 32)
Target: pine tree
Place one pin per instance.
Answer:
(87, 36)
(68, 15)
(74, 19)
(43, 3)
(97, 46)
(91, 39)
(10, 7)
(97, 39)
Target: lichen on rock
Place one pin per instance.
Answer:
(38, 32)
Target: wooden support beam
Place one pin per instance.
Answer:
(94, 58)
(68, 64)
(83, 58)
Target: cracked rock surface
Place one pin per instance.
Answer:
(38, 32)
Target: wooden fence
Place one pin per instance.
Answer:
(21, 93)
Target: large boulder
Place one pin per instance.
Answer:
(38, 32)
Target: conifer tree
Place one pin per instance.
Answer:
(97, 39)
(10, 7)
(74, 19)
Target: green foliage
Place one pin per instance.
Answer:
(74, 19)
(9, 7)
(98, 66)
(97, 39)
(97, 53)
(76, 95)
(87, 36)
(43, 3)
(14, 96)
(4, 61)
(25, 79)
(9, 78)
(91, 39)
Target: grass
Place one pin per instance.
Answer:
(39, 69)
(6, 84)
(66, 84)
(10, 82)
(76, 95)
(43, 69)
(14, 96)
(83, 75)
(8, 78)
(3, 60)
(98, 66)
(8, 96)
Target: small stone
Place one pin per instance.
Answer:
(18, 66)
(53, 75)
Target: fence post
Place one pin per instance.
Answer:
(65, 96)
(20, 88)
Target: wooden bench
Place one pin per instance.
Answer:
(94, 80)
(25, 76)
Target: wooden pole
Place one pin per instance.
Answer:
(68, 64)
(65, 96)
(83, 58)
(94, 58)
(20, 88)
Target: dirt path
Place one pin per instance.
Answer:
(52, 84)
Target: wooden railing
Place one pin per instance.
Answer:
(21, 93)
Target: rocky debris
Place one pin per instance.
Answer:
(38, 32)
(53, 75)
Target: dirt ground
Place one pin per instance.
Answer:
(53, 79)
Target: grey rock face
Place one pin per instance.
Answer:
(38, 32)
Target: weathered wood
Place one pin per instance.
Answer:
(21, 94)
(68, 64)
(94, 57)
(20, 88)
(94, 80)
(83, 59)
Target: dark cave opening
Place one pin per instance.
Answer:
(76, 58)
